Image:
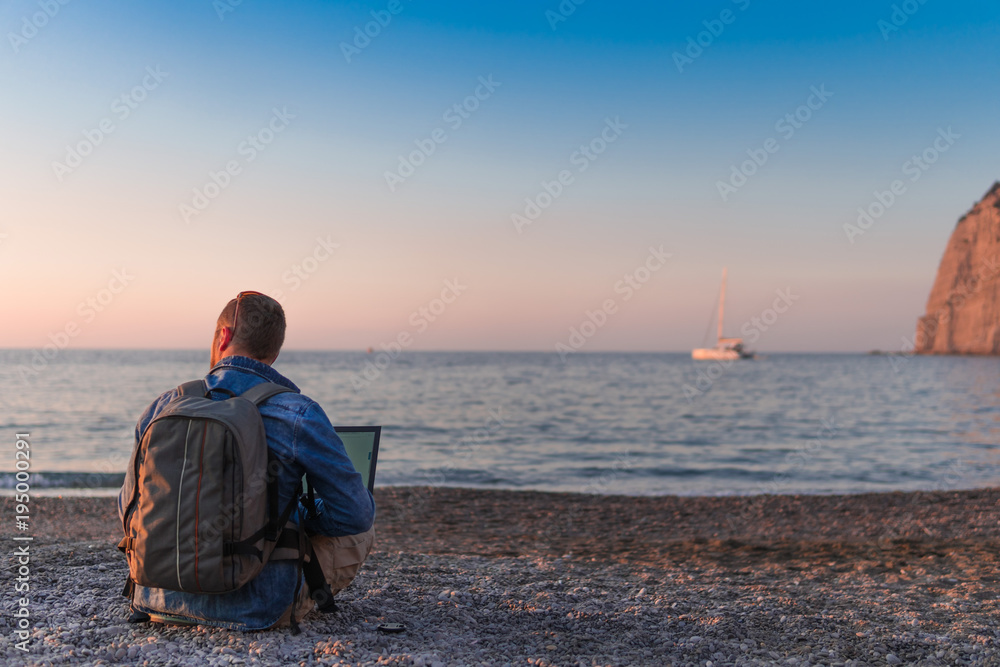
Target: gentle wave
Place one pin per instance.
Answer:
(64, 480)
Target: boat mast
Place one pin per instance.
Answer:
(722, 301)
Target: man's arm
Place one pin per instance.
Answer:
(343, 503)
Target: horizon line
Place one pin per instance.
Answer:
(869, 352)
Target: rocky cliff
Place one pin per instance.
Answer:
(963, 310)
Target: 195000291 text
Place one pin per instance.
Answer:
(22, 555)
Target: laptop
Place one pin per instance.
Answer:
(361, 443)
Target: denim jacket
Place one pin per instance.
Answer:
(302, 437)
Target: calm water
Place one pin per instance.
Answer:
(609, 423)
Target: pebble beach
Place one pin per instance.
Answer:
(529, 578)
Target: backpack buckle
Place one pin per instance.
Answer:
(125, 545)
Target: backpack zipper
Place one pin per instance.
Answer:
(177, 521)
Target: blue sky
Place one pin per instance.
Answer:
(346, 124)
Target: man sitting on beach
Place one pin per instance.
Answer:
(248, 336)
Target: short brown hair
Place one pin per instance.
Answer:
(261, 326)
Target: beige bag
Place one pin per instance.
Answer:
(342, 557)
(339, 558)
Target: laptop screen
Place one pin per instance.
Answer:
(361, 443)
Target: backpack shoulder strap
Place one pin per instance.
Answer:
(259, 393)
(193, 388)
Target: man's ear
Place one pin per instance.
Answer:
(225, 338)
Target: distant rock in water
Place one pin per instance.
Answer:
(963, 310)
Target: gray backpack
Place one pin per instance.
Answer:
(202, 514)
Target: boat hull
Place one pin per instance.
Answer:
(715, 354)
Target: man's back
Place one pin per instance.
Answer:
(302, 441)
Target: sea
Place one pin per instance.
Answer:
(605, 423)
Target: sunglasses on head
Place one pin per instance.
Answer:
(239, 297)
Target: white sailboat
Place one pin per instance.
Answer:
(726, 349)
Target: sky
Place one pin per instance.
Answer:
(502, 176)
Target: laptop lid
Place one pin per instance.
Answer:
(361, 443)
